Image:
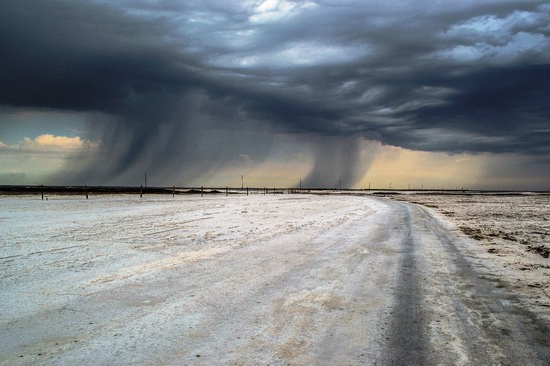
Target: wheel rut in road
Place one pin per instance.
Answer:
(498, 329)
(407, 339)
(448, 310)
(361, 280)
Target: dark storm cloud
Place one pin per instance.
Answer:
(160, 76)
(78, 56)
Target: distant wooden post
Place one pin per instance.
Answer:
(247, 191)
(227, 191)
(42, 190)
(141, 191)
(86, 189)
(173, 191)
(201, 191)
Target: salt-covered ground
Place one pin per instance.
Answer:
(511, 235)
(261, 279)
(162, 280)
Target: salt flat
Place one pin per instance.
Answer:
(511, 235)
(285, 279)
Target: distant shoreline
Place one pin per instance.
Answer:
(83, 190)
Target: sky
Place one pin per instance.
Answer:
(322, 93)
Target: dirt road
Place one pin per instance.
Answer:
(297, 280)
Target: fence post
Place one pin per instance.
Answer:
(86, 189)
(173, 191)
(201, 191)
(226, 191)
(141, 191)
(42, 190)
(247, 191)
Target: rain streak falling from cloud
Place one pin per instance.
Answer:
(184, 88)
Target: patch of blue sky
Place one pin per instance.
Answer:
(18, 124)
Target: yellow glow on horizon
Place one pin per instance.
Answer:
(401, 169)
